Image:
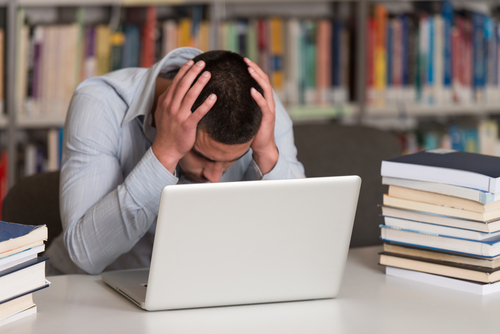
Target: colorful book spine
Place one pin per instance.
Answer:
(380, 77)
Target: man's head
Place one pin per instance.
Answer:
(235, 118)
(226, 132)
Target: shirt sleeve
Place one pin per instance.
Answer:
(287, 166)
(103, 214)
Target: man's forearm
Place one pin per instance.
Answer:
(97, 234)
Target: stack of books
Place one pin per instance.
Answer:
(22, 271)
(442, 219)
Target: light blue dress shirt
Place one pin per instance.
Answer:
(110, 179)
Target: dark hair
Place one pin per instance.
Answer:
(235, 118)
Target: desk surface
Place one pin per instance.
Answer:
(369, 302)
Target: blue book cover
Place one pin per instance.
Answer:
(12, 230)
(405, 23)
(478, 50)
(487, 165)
(447, 13)
(131, 48)
(430, 55)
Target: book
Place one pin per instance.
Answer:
(462, 271)
(103, 49)
(19, 315)
(131, 47)
(421, 227)
(15, 306)
(445, 189)
(14, 235)
(147, 55)
(441, 210)
(424, 253)
(169, 28)
(427, 217)
(276, 52)
(20, 257)
(463, 169)
(447, 282)
(479, 52)
(324, 60)
(490, 248)
(25, 277)
(380, 55)
(442, 200)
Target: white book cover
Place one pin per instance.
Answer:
(434, 229)
(490, 248)
(20, 257)
(443, 281)
(437, 219)
(445, 189)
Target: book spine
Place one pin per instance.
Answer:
(447, 13)
(370, 60)
(380, 79)
(478, 55)
(147, 57)
(276, 48)
(323, 68)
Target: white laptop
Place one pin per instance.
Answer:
(247, 242)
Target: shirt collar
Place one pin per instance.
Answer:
(143, 99)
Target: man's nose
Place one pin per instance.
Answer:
(213, 172)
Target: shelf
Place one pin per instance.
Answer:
(311, 113)
(130, 3)
(52, 3)
(416, 110)
(40, 122)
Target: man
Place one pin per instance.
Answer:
(131, 132)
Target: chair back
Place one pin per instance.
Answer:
(35, 201)
(330, 149)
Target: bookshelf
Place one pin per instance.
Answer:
(356, 109)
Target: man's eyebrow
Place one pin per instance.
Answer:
(208, 159)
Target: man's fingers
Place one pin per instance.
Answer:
(264, 83)
(195, 90)
(256, 68)
(261, 101)
(202, 110)
(182, 71)
(184, 84)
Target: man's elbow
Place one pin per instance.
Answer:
(80, 255)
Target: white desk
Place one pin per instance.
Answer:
(369, 302)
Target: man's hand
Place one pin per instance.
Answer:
(265, 152)
(175, 123)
